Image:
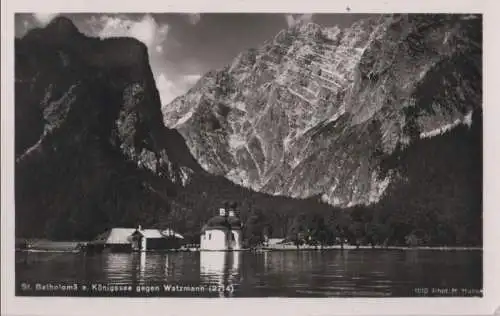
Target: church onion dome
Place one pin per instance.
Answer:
(222, 222)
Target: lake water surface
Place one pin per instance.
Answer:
(314, 273)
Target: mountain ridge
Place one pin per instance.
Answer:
(260, 120)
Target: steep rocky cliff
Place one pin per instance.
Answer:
(315, 111)
(91, 147)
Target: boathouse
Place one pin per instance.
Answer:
(222, 232)
(139, 239)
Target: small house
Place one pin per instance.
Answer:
(222, 232)
(269, 242)
(139, 239)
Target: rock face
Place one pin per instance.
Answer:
(91, 147)
(314, 111)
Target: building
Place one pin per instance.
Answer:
(270, 242)
(222, 232)
(138, 239)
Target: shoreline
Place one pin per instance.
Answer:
(272, 248)
(78, 247)
(350, 247)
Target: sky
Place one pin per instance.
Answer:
(182, 47)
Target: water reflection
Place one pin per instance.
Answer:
(122, 266)
(168, 265)
(142, 265)
(221, 268)
(138, 266)
(117, 266)
(174, 265)
(266, 261)
(274, 273)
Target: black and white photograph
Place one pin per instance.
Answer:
(248, 155)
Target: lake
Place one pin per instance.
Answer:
(305, 273)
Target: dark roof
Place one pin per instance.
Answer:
(222, 222)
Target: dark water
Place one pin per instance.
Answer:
(331, 273)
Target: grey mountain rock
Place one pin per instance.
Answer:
(314, 110)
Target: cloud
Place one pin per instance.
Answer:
(293, 19)
(170, 84)
(166, 88)
(146, 30)
(44, 18)
(191, 79)
(194, 18)
(169, 88)
(290, 20)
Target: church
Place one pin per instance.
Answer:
(222, 232)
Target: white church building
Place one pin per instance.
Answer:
(222, 232)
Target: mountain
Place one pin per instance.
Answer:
(91, 148)
(92, 151)
(317, 111)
